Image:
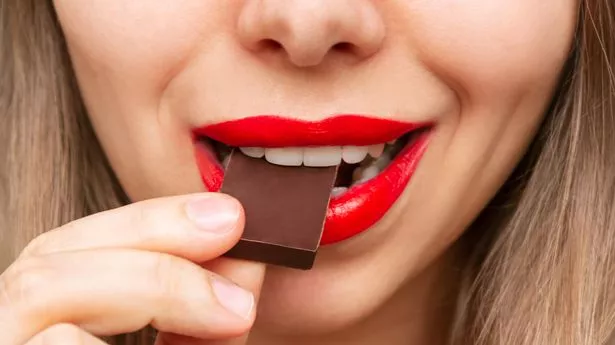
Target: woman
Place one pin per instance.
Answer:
(491, 222)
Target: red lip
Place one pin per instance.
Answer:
(362, 205)
(275, 131)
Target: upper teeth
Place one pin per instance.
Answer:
(314, 156)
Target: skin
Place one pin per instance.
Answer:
(484, 71)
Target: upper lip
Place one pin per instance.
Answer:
(279, 131)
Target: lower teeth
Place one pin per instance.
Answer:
(364, 173)
(371, 169)
(337, 191)
(367, 174)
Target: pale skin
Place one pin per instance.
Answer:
(483, 71)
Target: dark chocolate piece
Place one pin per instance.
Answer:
(285, 209)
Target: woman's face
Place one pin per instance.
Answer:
(475, 76)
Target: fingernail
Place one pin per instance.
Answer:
(213, 214)
(233, 298)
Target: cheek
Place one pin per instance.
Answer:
(124, 54)
(487, 47)
(502, 58)
(142, 41)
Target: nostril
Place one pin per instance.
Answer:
(306, 32)
(344, 47)
(270, 45)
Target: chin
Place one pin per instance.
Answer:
(323, 300)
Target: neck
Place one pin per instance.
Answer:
(419, 313)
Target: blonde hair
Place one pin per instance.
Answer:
(540, 257)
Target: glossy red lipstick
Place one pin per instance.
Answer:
(365, 204)
(362, 205)
(275, 131)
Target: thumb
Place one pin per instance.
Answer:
(247, 274)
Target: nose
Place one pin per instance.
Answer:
(308, 32)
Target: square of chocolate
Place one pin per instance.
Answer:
(285, 209)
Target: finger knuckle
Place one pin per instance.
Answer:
(46, 242)
(166, 275)
(35, 246)
(60, 334)
(143, 221)
(25, 280)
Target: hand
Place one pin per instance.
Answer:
(121, 270)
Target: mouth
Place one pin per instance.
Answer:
(376, 159)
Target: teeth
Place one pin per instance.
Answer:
(382, 161)
(254, 152)
(354, 154)
(369, 173)
(324, 156)
(321, 156)
(366, 172)
(290, 156)
(376, 150)
(392, 142)
(337, 191)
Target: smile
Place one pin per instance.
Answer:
(377, 159)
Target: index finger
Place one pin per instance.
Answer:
(197, 227)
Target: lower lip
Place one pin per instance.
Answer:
(360, 207)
